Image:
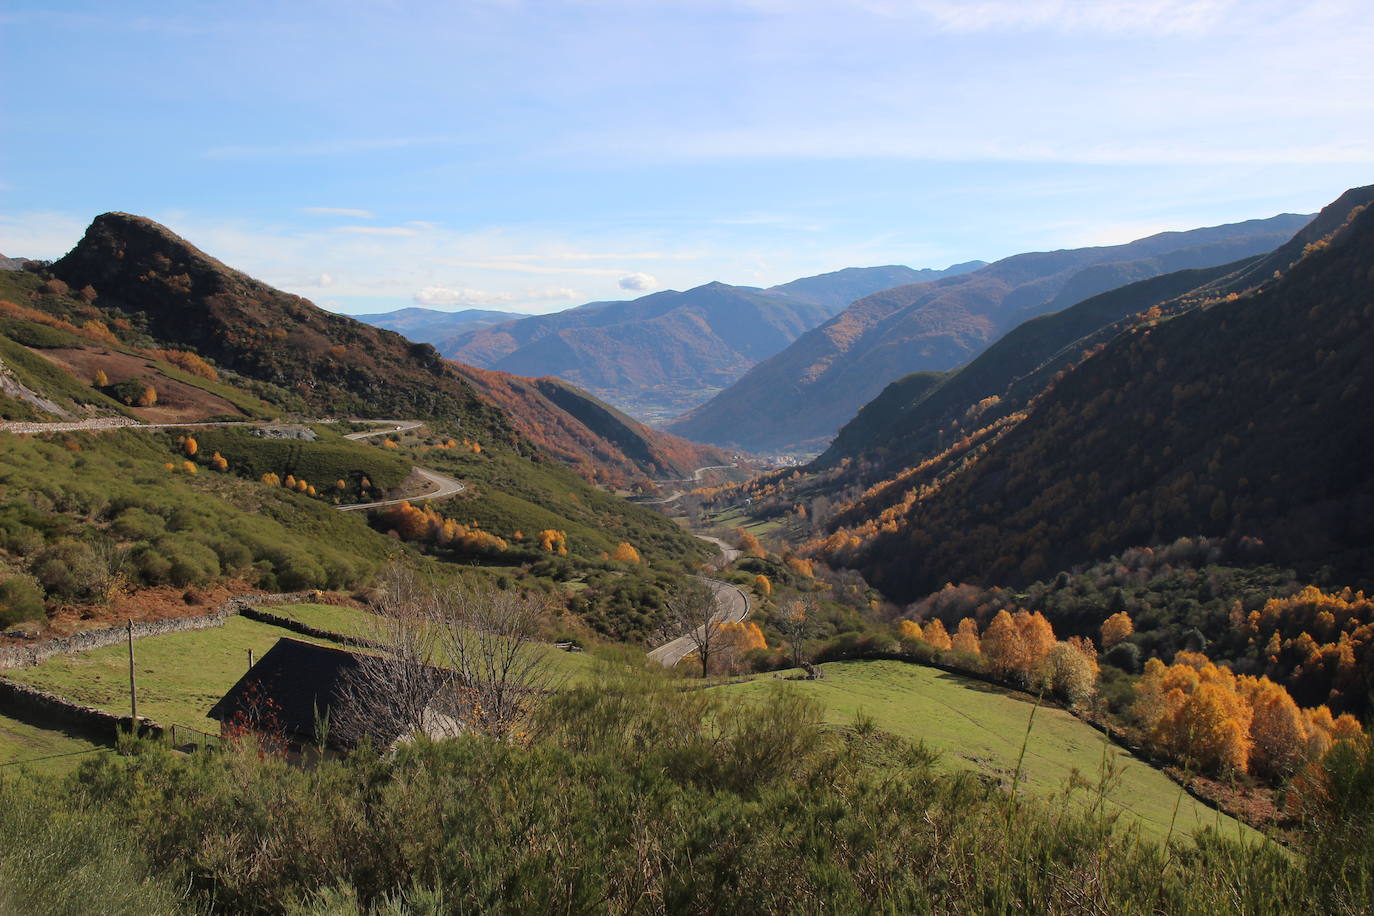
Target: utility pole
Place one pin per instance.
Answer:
(133, 689)
(250, 659)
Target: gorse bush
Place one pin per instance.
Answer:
(631, 795)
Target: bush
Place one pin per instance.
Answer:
(1125, 656)
(20, 599)
(137, 524)
(69, 569)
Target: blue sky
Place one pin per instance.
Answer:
(534, 155)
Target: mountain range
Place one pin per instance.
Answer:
(1234, 410)
(819, 381)
(433, 326)
(661, 354)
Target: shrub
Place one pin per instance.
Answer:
(20, 599)
(1125, 656)
(137, 524)
(69, 569)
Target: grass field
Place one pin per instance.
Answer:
(573, 667)
(180, 675)
(40, 749)
(976, 726)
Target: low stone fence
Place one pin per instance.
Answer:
(29, 704)
(305, 629)
(28, 656)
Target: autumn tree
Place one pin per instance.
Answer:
(625, 553)
(147, 398)
(219, 462)
(934, 633)
(736, 640)
(190, 446)
(965, 638)
(1070, 673)
(748, 544)
(908, 629)
(762, 585)
(692, 610)
(794, 621)
(101, 379)
(552, 541)
(1116, 628)
(1002, 644)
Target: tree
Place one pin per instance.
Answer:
(101, 379)
(692, 610)
(625, 553)
(966, 638)
(909, 629)
(934, 633)
(762, 585)
(219, 462)
(1116, 628)
(1070, 673)
(190, 446)
(794, 622)
(748, 544)
(148, 397)
(1003, 645)
(455, 659)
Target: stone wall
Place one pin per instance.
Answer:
(28, 656)
(29, 704)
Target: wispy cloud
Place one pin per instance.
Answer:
(499, 264)
(379, 230)
(442, 295)
(339, 211)
(1111, 16)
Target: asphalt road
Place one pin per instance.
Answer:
(731, 602)
(443, 486)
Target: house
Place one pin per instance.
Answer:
(297, 687)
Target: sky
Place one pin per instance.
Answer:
(531, 156)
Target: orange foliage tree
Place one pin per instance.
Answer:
(934, 632)
(1116, 628)
(625, 553)
(966, 638)
(552, 541)
(762, 585)
(748, 544)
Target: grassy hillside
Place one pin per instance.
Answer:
(980, 728)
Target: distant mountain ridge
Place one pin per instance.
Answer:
(434, 326)
(819, 382)
(660, 354)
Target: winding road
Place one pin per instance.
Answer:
(731, 601)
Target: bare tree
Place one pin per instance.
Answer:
(693, 612)
(795, 621)
(453, 658)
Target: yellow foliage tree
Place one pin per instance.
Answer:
(148, 397)
(190, 446)
(748, 544)
(762, 585)
(966, 638)
(1002, 644)
(189, 467)
(1116, 628)
(219, 462)
(625, 553)
(101, 379)
(552, 541)
(934, 632)
(909, 629)
(271, 479)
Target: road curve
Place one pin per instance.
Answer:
(443, 486)
(393, 426)
(730, 599)
(733, 606)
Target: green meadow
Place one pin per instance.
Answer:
(976, 726)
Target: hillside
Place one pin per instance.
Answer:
(819, 382)
(661, 354)
(897, 427)
(432, 326)
(1241, 418)
(597, 440)
(172, 292)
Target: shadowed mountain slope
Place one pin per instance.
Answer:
(1244, 417)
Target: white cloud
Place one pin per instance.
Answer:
(518, 267)
(638, 282)
(442, 295)
(339, 211)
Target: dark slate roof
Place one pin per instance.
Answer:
(293, 680)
